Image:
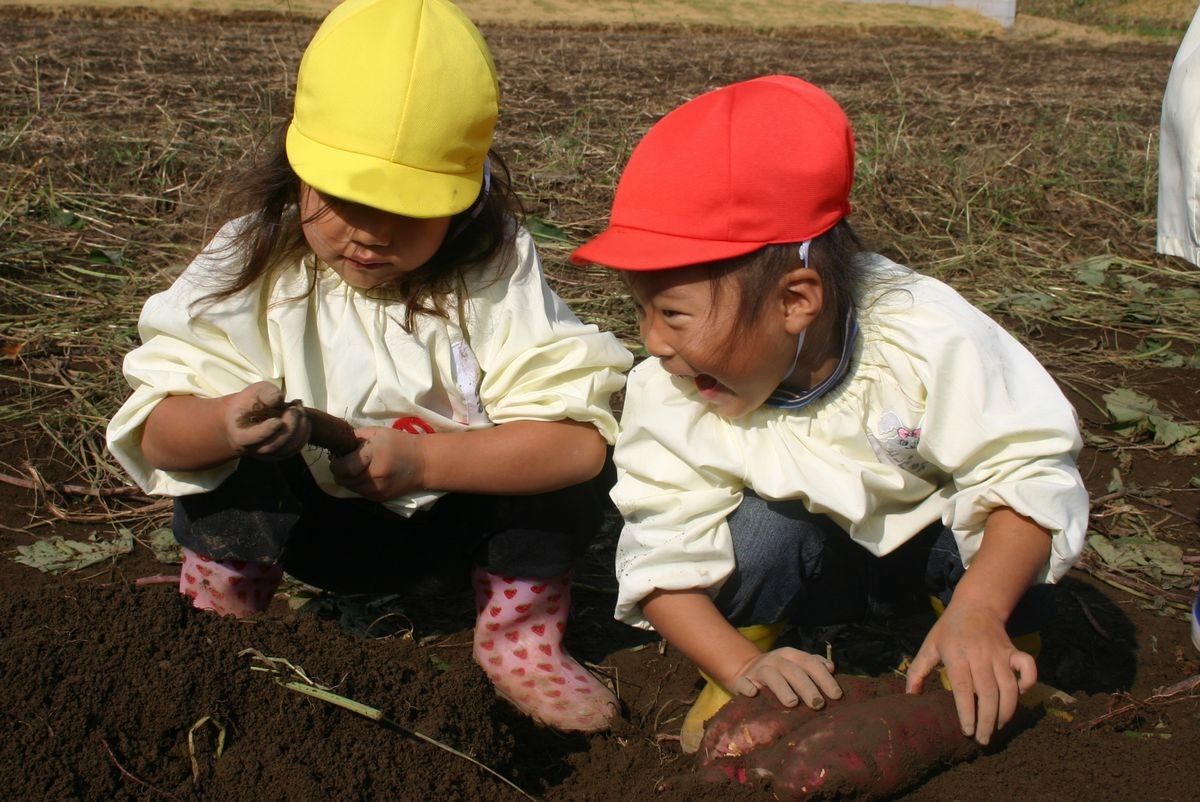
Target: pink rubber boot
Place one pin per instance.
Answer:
(518, 642)
(233, 587)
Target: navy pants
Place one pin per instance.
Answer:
(792, 565)
(275, 512)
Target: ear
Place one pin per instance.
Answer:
(803, 298)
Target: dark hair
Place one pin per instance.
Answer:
(268, 194)
(756, 275)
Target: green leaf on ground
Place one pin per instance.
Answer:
(1130, 411)
(1139, 553)
(1093, 271)
(66, 219)
(163, 544)
(56, 554)
(1116, 483)
(105, 256)
(1159, 353)
(1169, 433)
(543, 231)
(1133, 414)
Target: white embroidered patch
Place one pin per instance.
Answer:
(897, 443)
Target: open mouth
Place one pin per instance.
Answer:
(706, 384)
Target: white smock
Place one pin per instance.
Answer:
(941, 416)
(516, 353)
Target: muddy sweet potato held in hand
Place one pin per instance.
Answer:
(873, 743)
(326, 431)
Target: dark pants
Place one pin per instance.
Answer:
(792, 565)
(275, 512)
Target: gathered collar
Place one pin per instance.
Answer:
(784, 398)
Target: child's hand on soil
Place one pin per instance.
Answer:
(792, 675)
(274, 438)
(986, 672)
(387, 464)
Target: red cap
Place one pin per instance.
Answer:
(759, 162)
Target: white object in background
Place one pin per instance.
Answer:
(1179, 153)
(1196, 622)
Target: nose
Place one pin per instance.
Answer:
(373, 228)
(656, 344)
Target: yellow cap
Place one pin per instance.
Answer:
(396, 101)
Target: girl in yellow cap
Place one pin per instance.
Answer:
(379, 273)
(821, 433)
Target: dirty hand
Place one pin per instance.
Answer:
(274, 438)
(986, 672)
(790, 674)
(387, 464)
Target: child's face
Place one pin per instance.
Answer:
(690, 325)
(367, 247)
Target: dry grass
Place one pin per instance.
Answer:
(747, 13)
(1058, 20)
(1002, 166)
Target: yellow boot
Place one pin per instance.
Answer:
(713, 696)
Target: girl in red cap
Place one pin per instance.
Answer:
(821, 433)
(379, 272)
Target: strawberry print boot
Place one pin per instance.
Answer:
(231, 587)
(518, 642)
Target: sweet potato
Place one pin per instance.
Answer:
(873, 744)
(325, 431)
(744, 724)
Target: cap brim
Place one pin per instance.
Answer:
(379, 183)
(634, 249)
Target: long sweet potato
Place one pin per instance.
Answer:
(873, 744)
(744, 725)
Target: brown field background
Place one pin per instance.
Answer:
(1104, 20)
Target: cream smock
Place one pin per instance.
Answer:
(522, 355)
(1179, 153)
(942, 415)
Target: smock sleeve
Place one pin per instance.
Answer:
(539, 362)
(998, 425)
(675, 535)
(212, 354)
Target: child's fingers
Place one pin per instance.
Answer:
(963, 687)
(919, 668)
(776, 684)
(804, 685)
(1025, 667)
(828, 684)
(818, 672)
(252, 438)
(1009, 694)
(989, 692)
(265, 393)
(350, 468)
(1017, 677)
(794, 676)
(745, 686)
(289, 438)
